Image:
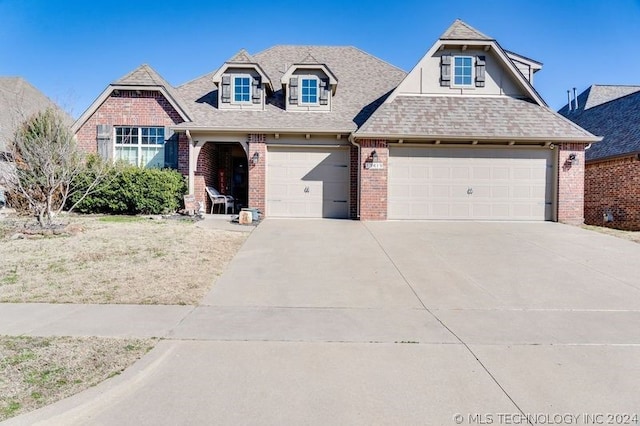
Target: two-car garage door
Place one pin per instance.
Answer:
(470, 183)
(308, 182)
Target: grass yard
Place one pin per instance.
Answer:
(114, 260)
(627, 235)
(37, 371)
(111, 259)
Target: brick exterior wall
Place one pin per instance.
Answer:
(183, 154)
(373, 183)
(127, 108)
(571, 184)
(257, 173)
(204, 174)
(353, 182)
(612, 188)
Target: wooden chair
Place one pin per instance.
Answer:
(222, 200)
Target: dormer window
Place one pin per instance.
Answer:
(309, 92)
(242, 89)
(309, 86)
(242, 84)
(463, 71)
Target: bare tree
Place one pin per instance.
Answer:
(47, 165)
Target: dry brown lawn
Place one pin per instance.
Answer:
(37, 371)
(114, 260)
(627, 235)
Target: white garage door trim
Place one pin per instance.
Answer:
(464, 183)
(308, 182)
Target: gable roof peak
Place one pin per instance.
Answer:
(309, 59)
(598, 94)
(242, 56)
(460, 30)
(144, 75)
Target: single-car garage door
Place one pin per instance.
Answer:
(470, 183)
(308, 182)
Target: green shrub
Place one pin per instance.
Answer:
(134, 190)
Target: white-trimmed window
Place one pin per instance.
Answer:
(463, 71)
(308, 90)
(242, 89)
(141, 146)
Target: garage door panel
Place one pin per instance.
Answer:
(307, 182)
(440, 172)
(482, 173)
(470, 183)
(500, 192)
(420, 191)
(441, 191)
(500, 173)
(460, 172)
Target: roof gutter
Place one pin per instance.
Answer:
(405, 137)
(267, 131)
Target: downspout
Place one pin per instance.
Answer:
(353, 141)
(192, 174)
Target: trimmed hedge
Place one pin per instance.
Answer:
(133, 190)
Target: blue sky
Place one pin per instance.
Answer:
(72, 49)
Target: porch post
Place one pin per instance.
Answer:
(192, 164)
(257, 171)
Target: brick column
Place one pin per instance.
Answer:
(257, 172)
(204, 174)
(353, 181)
(571, 184)
(373, 182)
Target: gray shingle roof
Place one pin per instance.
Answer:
(482, 118)
(242, 56)
(364, 81)
(612, 112)
(460, 30)
(600, 94)
(18, 101)
(144, 75)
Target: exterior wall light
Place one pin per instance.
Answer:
(254, 158)
(373, 162)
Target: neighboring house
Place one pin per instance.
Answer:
(19, 100)
(612, 175)
(316, 131)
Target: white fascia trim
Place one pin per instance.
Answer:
(266, 131)
(453, 138)
(217, 77)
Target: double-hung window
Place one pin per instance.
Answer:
(242, 89)
(309, 93)
(141, 146)
(462, 71)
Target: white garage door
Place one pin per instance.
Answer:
(308, 182)
(470, 183)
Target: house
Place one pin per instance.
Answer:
(612, 167)
(19, 100)
(317, 131)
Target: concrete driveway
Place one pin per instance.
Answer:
(342, 322)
